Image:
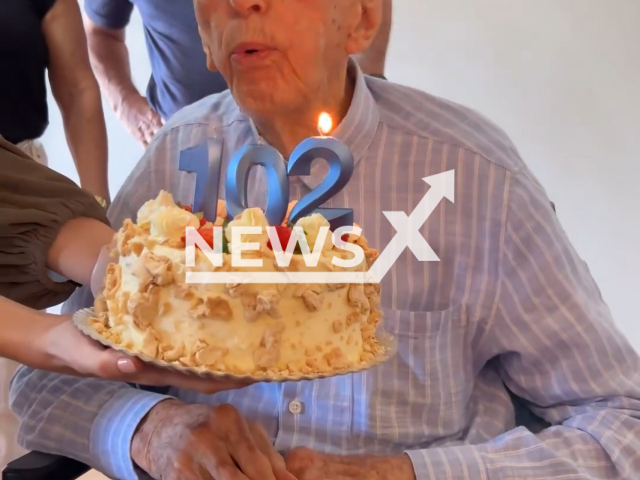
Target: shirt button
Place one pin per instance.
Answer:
(295, 407)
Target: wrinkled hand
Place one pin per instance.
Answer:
(142, 121)
(196, 442)
(306, 464)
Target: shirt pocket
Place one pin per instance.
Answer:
(419, 396)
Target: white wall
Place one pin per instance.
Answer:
(562, 77)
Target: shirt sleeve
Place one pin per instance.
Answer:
(35, 202)
(560, 352)
(113, 14)
(90, 420)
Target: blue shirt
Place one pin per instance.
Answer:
(179, 74)
(509, 308)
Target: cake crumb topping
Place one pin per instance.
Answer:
(210, 355)
(357, 298)
(150, 344)
(159, 267)
(336, 359)
(313, 299)
(174, 354)
(267, 354)
(268, 302)
(144, 307)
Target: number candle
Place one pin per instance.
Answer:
(238, 176)
(205, 161)
(341, 166)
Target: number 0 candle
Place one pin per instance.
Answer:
(236, 192)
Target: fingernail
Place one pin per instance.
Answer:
(125, 365)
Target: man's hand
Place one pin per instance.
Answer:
(142, 121)
(306, 464)
(196, 442)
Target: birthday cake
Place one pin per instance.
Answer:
(238, 328)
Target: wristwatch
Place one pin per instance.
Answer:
(101, 201)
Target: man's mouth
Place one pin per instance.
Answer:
(251, 52)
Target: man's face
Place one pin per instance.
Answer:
(279, 55)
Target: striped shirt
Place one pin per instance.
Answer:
(510, 309)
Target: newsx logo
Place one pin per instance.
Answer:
(407, 236)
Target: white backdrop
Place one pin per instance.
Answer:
(562, 77)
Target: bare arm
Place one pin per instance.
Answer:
(51, 342)
(76, 248)
(77, 94)
(373, 60)
(110, 60)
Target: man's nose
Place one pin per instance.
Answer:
(246, 7)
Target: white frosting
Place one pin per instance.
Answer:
(252, 217)
(170, 223)
(312, 225)
(164, 199)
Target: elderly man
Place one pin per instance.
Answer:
(509, 310)
(179, 75)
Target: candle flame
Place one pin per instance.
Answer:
(325, 124)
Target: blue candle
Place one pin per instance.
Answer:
(242, 162)
(341, 166)
(205, 161)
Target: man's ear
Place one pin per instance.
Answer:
(367, 27)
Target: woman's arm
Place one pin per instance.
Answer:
(75, 251)
(76, 91)
(53, 343)
(46, 221)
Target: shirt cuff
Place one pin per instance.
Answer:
(462, 462)
(113, 430)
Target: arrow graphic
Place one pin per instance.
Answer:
(407, 236)
(408, 227)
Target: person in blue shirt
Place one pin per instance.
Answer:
(179, 74)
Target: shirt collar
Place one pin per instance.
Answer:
(357, 129)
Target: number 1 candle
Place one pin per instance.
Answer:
(205, 162)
